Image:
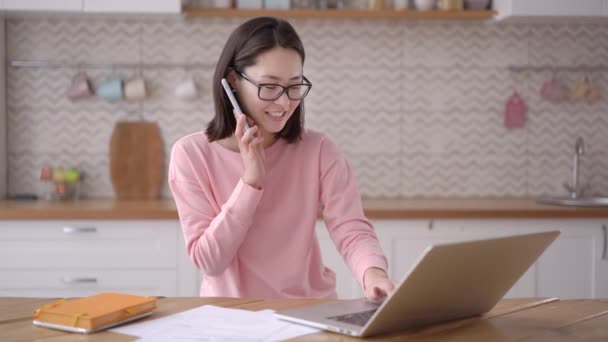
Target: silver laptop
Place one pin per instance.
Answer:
(449, 281)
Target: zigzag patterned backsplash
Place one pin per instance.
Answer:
(416, 106)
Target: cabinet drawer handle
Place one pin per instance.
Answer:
(76, 230)
(605, 241)
(77, 280)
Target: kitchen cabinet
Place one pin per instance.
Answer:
(574, 266)
(569, 268)
(601, 266)
(524, 8)
(3, 116)
(132, 6)
(402, 242)
(405, 241)
(43, 5)
(78, 258)
(346, 285)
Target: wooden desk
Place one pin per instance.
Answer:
(510, 320)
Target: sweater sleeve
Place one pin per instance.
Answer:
(212, 234)
(349, 229)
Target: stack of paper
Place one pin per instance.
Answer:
(212, 323)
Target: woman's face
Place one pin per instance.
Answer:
(277, 66)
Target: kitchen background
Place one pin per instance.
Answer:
(416, 106)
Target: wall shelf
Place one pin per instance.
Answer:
(555, 68)
(342, 13)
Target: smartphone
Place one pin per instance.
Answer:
(235, 104)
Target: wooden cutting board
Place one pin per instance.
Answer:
(136, 160)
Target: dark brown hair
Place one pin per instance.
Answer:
(242, 48)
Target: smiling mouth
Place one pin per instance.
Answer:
(276, 115)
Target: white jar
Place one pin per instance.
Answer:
(277, 4)
(400, 4)
(250, 4)
(221, 3)
(425, 5)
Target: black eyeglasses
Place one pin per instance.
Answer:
(271, 91)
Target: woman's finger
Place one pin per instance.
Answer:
(240, 127)
(256, 141)
(249, 135)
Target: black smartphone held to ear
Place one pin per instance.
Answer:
(235, 104)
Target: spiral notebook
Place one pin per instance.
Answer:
(94, 313)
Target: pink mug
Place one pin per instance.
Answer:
(553, 90)
(80, 87)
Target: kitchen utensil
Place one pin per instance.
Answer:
(136, 160)
(476, 4)
(111, 89)
(303, 4)
(186, 89)
(251, 4)
(424, 5)
(377, 4)
(584, 90)
(135, 89)
(277, 4)
(553, 90)
(80, 87)
(450, 5)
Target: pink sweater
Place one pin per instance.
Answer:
(262, 243)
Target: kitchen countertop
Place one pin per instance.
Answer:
(374, 209)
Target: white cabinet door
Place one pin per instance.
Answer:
(548, 7)
(402, 242)
(74, 258)
(95, 244)
(405, 241)
(601, 266)
(86, 282)
(133, 6)
(346, 285)
(567, 269)
(43, 5)
(3, 117)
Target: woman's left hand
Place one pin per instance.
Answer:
(377, 284)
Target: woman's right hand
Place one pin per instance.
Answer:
(252, 152)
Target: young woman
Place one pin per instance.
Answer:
(248, 200)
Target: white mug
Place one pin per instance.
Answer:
(424, 5)
(135, 89)
(186, 89)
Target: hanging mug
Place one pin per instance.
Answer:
(80, 87)
(111, 89)
(135, 89)
(553, 90)
(186, 89)
(584, 90)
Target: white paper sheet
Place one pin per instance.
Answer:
(212, 323)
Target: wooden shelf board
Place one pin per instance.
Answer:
(342, 13)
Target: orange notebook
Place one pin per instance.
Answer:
(94, 313)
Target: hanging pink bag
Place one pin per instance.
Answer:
(515, 112)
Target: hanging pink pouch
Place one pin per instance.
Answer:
(515, 112)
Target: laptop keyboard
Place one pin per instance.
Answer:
(358, 318)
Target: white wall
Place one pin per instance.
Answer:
(3, 119)
(417, 107)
